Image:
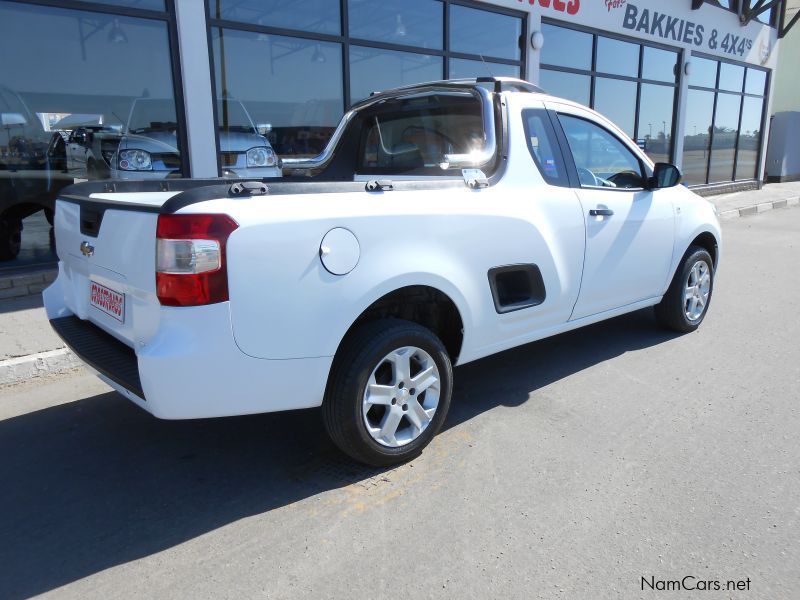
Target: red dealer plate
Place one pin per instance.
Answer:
(107, 300)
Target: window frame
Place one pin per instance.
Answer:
(742, 94)
(645, 171)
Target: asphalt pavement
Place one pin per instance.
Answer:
(568, 468)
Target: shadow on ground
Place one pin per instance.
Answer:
(8, 305)
(97, 482)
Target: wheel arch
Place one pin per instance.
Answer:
(424, 304)
(709, 241)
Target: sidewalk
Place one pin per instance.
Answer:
(742, 204)
(29, 347)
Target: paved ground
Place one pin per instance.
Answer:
(24, 328)
(569, 468)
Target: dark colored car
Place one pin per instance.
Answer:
(27, 184)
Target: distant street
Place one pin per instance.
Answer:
(569, 468)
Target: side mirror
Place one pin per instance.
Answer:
(264, 128)
(665, 175)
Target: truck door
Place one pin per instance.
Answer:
(80, 141)
(629, 229)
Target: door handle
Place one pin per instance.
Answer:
(601, 212)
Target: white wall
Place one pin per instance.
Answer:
(786, 95)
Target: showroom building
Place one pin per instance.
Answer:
(688, 80)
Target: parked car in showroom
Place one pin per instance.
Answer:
(149, 147)
(448, 221)
(90, 145)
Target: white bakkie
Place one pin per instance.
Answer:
(443, 223)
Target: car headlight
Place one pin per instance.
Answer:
(262, 156)
(135, 160)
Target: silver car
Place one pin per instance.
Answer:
(149, 147)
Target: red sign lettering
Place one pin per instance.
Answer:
(571, 7)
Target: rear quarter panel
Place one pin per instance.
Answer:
(284, 304)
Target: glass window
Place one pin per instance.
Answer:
(731, 77)
(408, 22)
(87, 88)
(703, 72)
(616, 100)
(143, 4)
(544, 148)
(655, 121)
(321, 16)
(374, 70)
(461, 68)
(749, 138)
(615, 95)
(659, 65)
(723, 145)
(289, 88)
(699, 112)
(756, 82)
(617, 57)
(601, 159)
(475, 31)
(566, 85)
(69, 84)
(566, 47)
(398, 138)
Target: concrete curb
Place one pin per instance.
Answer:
(28, 283)
(15, 370)
(755, 209)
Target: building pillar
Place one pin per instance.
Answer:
(532, 57)
(192, 28)
(680, 108)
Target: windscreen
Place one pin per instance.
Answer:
(152, 114)
(233, 117)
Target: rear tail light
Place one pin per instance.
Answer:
(190, 259)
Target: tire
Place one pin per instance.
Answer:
(50, 215)
(10, 238)
(389, 355)
(686, 302)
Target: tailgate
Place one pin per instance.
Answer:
(106, 246)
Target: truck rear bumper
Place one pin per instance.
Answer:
(191, 368)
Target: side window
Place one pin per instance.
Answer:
(543, 147)
(601, 159)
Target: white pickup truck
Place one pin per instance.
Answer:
(444, 222)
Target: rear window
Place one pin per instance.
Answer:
(543, 147)
(413, 135)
